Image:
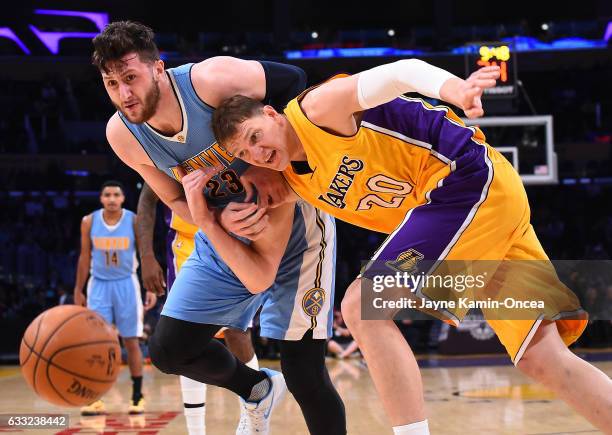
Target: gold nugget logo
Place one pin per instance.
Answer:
(406, 261)
(313, 300)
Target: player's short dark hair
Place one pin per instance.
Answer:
(112, 183)
(231, 113)
(120, 38)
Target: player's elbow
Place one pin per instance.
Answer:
(260, 284)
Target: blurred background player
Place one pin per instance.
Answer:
(180, 244)
(108, 257)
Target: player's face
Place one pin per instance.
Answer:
(133, 87)
(112, 198)
(261, 141)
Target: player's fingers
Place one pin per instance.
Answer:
(196, 180)
(211, 171)
(469, 95)
(257, 229)
(159, 290)
(150, 301)
(488, 74)
(474, 113)
(244, 213)
(241, 206)
(484, 83)
(257, 226)
(489, 68)
(188, 178)
(200, 183)
(255, 235)
(248, 188)
(236, 206)
(158, 285)
(197, 176)
(253, 219)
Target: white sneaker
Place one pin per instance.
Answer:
(255, 416)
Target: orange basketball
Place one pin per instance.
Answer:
(70, 356)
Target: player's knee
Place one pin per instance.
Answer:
(538, 365)
(351, 304)
(304, 370)
(302, 381)
(164, 353)
(158, 355)
(131, 343)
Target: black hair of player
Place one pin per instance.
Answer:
(120, 38)
(112, 183)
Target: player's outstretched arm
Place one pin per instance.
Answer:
(84, 262)
(152, 273)
(333, 103)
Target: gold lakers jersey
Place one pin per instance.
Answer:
(179, 225)
(402, 150)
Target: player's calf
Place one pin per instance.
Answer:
(581, 385)
(239, 342)
(306, 376)
(351, 306)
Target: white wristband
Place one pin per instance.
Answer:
(383, 83)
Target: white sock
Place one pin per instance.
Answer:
(418, 428)
(194, 393)
(253, 363)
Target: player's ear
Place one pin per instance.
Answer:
(159, 67)
(270, 111)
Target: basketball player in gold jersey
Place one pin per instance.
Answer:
(356, 149)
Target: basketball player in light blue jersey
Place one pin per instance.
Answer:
(108, 257)
(180, 243)
(284, 265)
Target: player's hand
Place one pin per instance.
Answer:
(79, 298)
(466, 93)
(152, 275)
(244, 219)
(272, 188)
(150, 300)
(194, 184)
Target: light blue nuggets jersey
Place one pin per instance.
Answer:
(113, 248)
(194, 146)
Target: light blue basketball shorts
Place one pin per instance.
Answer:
(119, 301)
(301, 298)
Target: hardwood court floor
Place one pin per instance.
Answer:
(472, 400)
